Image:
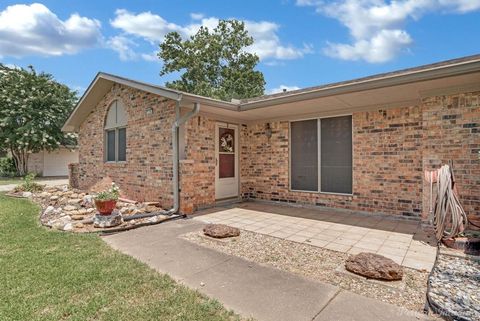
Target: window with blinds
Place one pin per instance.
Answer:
(321, 155)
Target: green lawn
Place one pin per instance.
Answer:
(8, 180)
(51, 275)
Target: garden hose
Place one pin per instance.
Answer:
(448, 210)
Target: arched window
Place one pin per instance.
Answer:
(116, 133)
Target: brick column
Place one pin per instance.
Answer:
(187, 187)
(73, 175)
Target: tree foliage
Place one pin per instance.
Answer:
(33, 108)
(213, 63)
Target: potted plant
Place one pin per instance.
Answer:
(106, 201)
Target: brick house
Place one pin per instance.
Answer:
(359, 145)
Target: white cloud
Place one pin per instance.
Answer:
(153, 28)
(35, 30)
(377, 27)
(382, 47)
(280, 89)
(123, 46)
(147, 25)
(150, 57)
(197, 16)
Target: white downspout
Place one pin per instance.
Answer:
(175, 144)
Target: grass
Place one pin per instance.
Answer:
(52, 275)
(11, 180)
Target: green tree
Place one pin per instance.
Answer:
(33, 108)
(213, 63)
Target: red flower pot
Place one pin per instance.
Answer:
(105, 207)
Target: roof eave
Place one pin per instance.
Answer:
(70, 126)
(388, 81)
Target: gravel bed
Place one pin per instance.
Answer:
(321, 265)
(455, 286)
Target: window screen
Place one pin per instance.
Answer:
(333, 151)
(336, 154)
(110, 145)
(122, 144)
(304, 155)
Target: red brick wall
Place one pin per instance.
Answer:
(452, 132)
(387, 165)
(147, 173)
(200, 160)
(391, 149)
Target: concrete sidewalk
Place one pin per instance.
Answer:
(250, 289)
(47, 182)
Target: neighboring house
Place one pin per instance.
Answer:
(53, 163)
(360, 145)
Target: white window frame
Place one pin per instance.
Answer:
(319, 175)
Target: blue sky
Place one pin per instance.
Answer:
(301, 43)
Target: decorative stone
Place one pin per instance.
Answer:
(87, 201)
(69, 208)
(151, 209)
(74, 201)
(220, 231)
(156, 218)
(79, 225)
(374, 266)
(103, 221)
(44, 194)
(27, 194)
(48, 210)
(59, 223)
(454, 285)
(68, 227)
(77, 217)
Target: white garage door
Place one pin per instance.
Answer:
(56, 163)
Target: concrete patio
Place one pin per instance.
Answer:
(401, 240)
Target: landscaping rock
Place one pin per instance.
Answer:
(69, 208)
(73, 210)
(27, 194)
(151, 209)
(79, 225)
(68, 227)
(454, 287)
(103, 221)
(220, 231)
(374, 266)
(87, 201)
(59, 223)
(48, 210)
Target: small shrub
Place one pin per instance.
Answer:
(7, 167)
(110, 194)
(29, 185)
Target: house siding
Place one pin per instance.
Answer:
(387, 164)
(452, 132)
(391, 149)
(147, 173)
